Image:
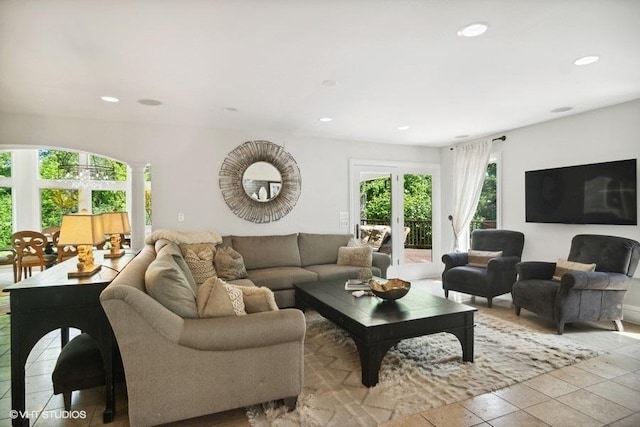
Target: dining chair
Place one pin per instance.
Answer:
(30, 249)
(8, 257)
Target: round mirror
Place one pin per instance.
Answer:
(262, 181)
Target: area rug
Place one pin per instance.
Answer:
(416, 375)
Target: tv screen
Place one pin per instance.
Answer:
(598, 193)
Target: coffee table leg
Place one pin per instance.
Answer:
(371, 356)
(465, 336)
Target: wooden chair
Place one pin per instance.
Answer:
(8, 257)
(30, 252)
(65, 252)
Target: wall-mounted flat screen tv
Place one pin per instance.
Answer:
(598, 193)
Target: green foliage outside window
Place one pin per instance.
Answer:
(6, 220)
(56, 202)
(5, 164)
(417, 198)
(487, 206)
(108, 201)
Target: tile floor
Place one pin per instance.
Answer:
(601, 391)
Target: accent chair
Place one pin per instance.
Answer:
(580, 296)
(488, 269)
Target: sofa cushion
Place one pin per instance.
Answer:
(166, 282)
(258, 299)
(268, 251)
(216, 298)
(229, 264)
(200, 263)
(321, 248)
(359, 256)
(564, 266)
(482, 258)
(277, 278)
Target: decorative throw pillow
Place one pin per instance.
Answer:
(258, 299)
(482, 258)
(229, 264)
(219, 299)
(167, 283)
(200, 264)
(564, 266)
(359, 256)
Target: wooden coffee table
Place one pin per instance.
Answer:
(377, 325)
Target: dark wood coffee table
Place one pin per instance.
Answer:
(377, 325)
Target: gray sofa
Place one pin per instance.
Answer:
(278, 262)
(178, 368)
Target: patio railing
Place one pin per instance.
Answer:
(421, 232)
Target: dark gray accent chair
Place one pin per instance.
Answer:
(499, 275)
(580, 296)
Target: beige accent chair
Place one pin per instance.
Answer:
(179, 368)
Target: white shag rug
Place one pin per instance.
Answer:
(416, 375)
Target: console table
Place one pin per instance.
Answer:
(48, 301)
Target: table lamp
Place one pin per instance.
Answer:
(115, 224)
(82, 230)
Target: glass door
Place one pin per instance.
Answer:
(393, 211)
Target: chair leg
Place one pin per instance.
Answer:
(518, 310)
(618, 325)
(560, 328)
(66, 397)
(489, 302)
(446, 293)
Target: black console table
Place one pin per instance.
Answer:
(48, 301)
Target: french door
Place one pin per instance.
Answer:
(395, 209)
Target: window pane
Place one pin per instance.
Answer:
(6, 215)
(51, 162)
(108, 170)
(5, 164)
(108, 201)
(486, 213)
(56, 202)
(147, 195)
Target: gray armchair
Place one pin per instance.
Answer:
(499, 274)
(580, 296)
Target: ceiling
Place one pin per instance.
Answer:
(280, 65)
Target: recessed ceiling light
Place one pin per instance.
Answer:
(461, 136)
(561, 109)
(329, 82)
(473, 30)
(325, 119)
(109, 99)
(230, 109)
(586, 60)
(149, 102)
(402, 127)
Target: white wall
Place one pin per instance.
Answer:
(607, 134)
(185, 163)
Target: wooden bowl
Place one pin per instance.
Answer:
(391, 289)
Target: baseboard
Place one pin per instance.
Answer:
(631, 313)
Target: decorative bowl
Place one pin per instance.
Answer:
(391, 289)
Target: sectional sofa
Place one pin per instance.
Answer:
(179, 364)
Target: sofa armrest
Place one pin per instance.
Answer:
(535, 270)
(240, 332)
(596, 280)
(455, 259)
(382, 261)
(167, 323)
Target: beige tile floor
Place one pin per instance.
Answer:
(601, 391)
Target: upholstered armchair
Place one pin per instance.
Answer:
(488, 269)
(578, 296)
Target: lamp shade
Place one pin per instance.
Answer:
(116, 223)
(81, 229)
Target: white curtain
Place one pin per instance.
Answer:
(469, 169)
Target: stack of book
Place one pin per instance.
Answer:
(356, 285)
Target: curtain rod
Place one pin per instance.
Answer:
(500, 138)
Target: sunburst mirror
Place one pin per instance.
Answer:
(260, 181)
